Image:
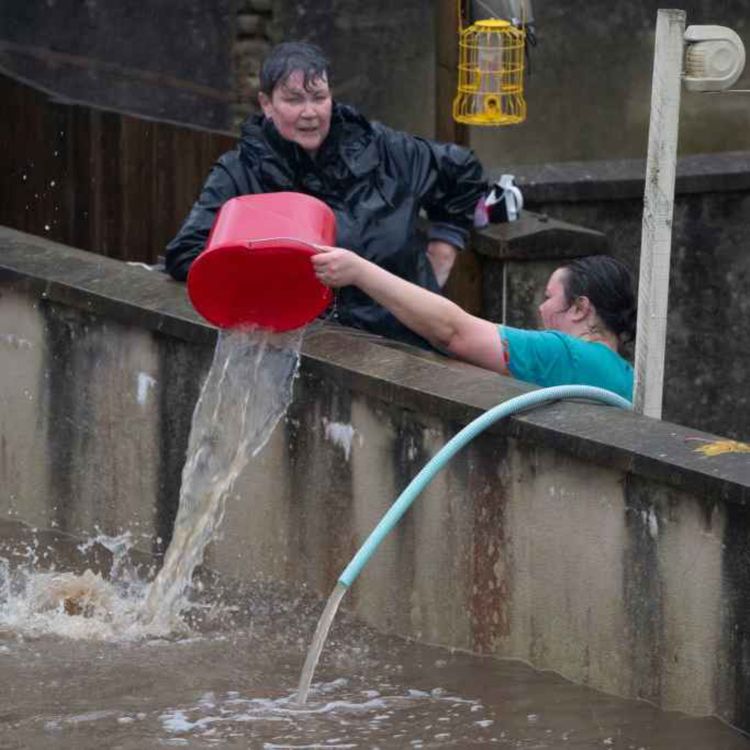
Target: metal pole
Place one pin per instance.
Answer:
(658, 205)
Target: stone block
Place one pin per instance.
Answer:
(255, 6)
(248, 54)
(250, 25)
(247, 88)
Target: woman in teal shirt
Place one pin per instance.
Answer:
(588, 312)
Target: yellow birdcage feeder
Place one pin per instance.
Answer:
(490, 73)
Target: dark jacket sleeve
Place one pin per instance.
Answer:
(448, 179)
(220, 185)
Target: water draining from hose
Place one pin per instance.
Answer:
(415, 487)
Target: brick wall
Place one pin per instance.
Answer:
(254, 37)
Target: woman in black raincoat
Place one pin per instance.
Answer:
(375, 179)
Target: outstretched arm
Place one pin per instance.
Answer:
(443, 323)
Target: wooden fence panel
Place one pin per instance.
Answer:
(101, 180)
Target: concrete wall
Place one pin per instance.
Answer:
(197, 62)
(589, 91)
(708, 355)
(79, 385)
(579, 538)
(167, 60)
(382, 54)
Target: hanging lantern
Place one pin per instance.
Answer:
(490, 73)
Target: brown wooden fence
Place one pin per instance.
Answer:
(101, 180)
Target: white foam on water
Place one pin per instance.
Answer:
(90, 716)
(316, 745)
(80, 606)
(373, 708)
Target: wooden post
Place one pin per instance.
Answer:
(656, 234)
(446, 56)
(464, 285)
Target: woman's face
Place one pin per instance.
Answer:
(301, 115)
(555, 312)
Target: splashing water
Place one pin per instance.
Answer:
(37, 599)
(246, 392)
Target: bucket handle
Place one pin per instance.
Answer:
(268, 243)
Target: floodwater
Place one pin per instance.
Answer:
(83, 678)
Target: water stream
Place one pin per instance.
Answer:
(318, 641)
(246, 392)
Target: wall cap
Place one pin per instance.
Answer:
(624, 179)
(413, 379)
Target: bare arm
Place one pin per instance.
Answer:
(443, 323)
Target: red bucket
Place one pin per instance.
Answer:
(256, 269)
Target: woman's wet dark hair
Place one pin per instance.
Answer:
(287, 57)
(608, 284)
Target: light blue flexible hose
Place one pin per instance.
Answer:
(458, 441)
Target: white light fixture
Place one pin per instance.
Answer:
(714, 58)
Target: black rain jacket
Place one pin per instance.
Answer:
(375, 179)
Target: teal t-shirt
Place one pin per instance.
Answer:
(549, 358)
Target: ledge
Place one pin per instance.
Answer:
(100, 285)
(624, 179)
(369, 364)
(537, 237)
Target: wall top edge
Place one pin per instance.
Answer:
(624, 179)
(416, 380)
